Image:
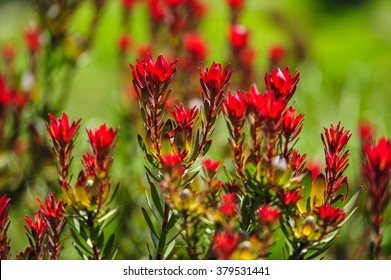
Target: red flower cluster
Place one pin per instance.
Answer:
(124, 43)
(268, 215)
(276, 54)
(150, 77)
(330, 215)
(36, 229)
(103, 141)
(282, 83)
(334, 141)
(290, 197)
(239, 37)
(195, 46)
(211, 166)
(61, 132)
(235, 4)
(224, 244)
(234, 108)
(184, 118)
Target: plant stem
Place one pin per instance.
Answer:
(159, 254)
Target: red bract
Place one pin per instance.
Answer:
(37, 227)
(150, 75)
(282, 83)
(172, 163)
(224, 244)
(290, 197)
(331, 215)
(184, 117)
(334, 141)
(195, 45)
(102, 140)
(377, 168)
(292, 124)
(5, 94)
(60, 131)
(211, 165)
(235, 106)
(52, 209)
(239, 36)
(297, 161)
(215, 79)
(268, 215)
(270, 107)
(32, 38)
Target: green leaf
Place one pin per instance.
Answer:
(141, 143)
(352, 201)
(150, 173)
(78, 250)
(149, 252)
(101, 240)
(162, 241)
(151, 208)
(154, 240)
(77, 241)
(108, 249)
(156, 198)
(206, 147)
(227, 174)
(169, 249)
(107, 215)
(347, 218)
(149, 222)
(172, 222)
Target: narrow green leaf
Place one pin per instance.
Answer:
(107, 215)
(227, 174)
(169, 249)
(156, 199)
(149, 222)
(142, 144)
(206, 147)
(172, 222)
(77, 241)
(352, 201)
(150, 173)
(154, 240)
(151, 208)
(108, 249)
(78, 250)
(149, 252)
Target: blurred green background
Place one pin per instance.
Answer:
(345, 66)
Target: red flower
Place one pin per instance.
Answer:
(229, 198)
(215, 79)
(268, 215)
(377, 168)
(149, 75)
(32, 38)
(52, 209)
(276, 53)
(224, 244)
(195, 45)
(331, 215)
(282, 83)
(37, 227)
(270, 107)
(297, 161)
(235, 4)
(290, 197)
(239, 36)
(292, 124)
(172, 163)
(124, 42)
(4, 206)
(102, 140)
(235, 106)
(211, 166)
(334, 142)
(184, 117)
(228, 206)
(60, 131)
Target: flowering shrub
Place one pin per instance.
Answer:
(254, 197)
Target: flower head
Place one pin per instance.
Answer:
(292, 124)
(268, 215)
(239, 36)
(32, 38)
(124, 43)
(195, 45)
(215, 79)
(211, 166)
(331, 215)
(290, 197)
(102, 140)
(276, 53)
(128, 4)
(184, 117)
(60, 131)
(8, 52)
(235, 106)
(224, 244)
(52, 209)
(4, 225)
(36, 227)
(235, 4)
(282, 83)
